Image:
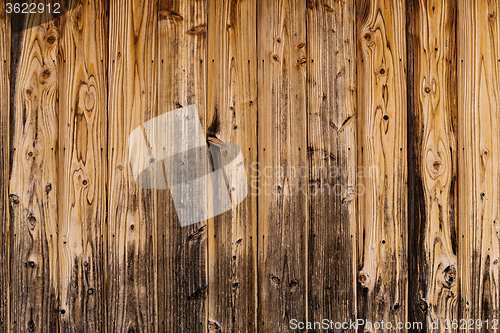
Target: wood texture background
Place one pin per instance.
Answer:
(369, 130)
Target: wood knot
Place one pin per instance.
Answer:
(363, 279)
(422, 305)
(275, 57)
(48, 188)
(367, 37)
(427, 89)
(495, 262)
(28, 92)
(31, 221)
(14, 198)
(85, 182)
(382, 71)
(198, 30)
(51, 39)
(293, 285)
(275, 279)
(491, 15)
(214, 326)
(450, 274)
(44, 76)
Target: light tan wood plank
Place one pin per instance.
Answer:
(34, 173)
(433, 153)
(83, 166)
(132, 252)
(381, 99)
(478, 59)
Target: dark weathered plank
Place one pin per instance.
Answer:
(381, 98)
(331, 98)
(132, 253)
(232, 107)
(33, 174)
(478, 59)
(282, 132)
(182, 276)
(432, 161)
(4, 166)
(82, 166)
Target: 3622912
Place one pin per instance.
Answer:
(32, 8)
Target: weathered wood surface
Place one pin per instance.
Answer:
(382, 146)
(4, 166)
(131, 235)
(478, 59)
(83, 167)
(357, 112)
(34, 175)
(282, 135)
(232, 117)
(433, 157)
(331, 108)
(182, 81)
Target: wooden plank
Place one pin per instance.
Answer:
(132, 84)
(82, 166)
(182, 267)
(4, 166)
(433, 153)
(232, 107)
(332, 154)
(33, 174)
(282, 132)
(478, 59)
(381, 98)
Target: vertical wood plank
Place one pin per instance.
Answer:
(82, 166)
(282, 133)
(478, 58)
(34, 142)
(182, 267)
(382, 250)
(232, 107)
(432, 161)
(132, 252)
(4, 166)
(332, 154)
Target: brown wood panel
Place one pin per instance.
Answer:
(433, 160)
(381, 98)
(282, 132)
(4, 166)
(182, 79)
(132, 250)
(33, 175)
(82, 166)
(331, 97)
(478, 59)
(232, 114)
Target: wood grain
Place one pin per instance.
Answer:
(4, 166)
(34, 159)
(282, 131)
(132, 246)
(331, 103)
(232, 113)
(433, 152)
(478, 59)
(182, 79)
(381, 98)
(83, 166)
